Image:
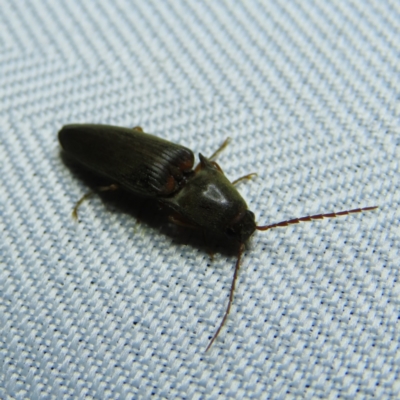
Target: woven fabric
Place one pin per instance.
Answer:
(123, 306)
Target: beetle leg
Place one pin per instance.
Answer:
(137, 128)
(178, 220)
(220, 148)
(90, 194)
(246, 177)
(214, 155)
(207, 243)
(217, 166)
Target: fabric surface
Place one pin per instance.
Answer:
(123, 306)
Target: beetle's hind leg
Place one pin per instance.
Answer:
(90, 194)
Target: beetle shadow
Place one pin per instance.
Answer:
(150, 212)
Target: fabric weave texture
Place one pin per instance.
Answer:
(121, 304)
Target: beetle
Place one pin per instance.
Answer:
(146, 165)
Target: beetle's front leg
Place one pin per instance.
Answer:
(246, 177)
(220, 148)
(177, 219)
(216, 153)
(138, 129)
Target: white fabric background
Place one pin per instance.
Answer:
(110, 307)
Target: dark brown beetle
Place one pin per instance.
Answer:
(149, 166)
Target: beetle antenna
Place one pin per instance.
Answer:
(312, 217)
(264, 228)
(228, 308)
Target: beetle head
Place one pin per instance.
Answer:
(242, 227)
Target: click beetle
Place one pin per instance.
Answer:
(201, 197)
